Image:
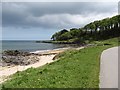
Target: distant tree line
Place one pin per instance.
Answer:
(97, 30)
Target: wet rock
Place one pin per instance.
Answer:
(15, 57)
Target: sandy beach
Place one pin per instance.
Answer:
(44, 58)
(9, 71)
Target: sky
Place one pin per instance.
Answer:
(40, 20)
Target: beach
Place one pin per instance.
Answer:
(45, 57)
(7, 71)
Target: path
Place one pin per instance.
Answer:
(109, 68)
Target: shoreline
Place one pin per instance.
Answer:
(46, 53)
(53, 51)
(7, 71)
(39, 53)
(45, 57)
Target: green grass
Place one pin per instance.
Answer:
(74, 69)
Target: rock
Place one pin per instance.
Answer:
(15, 57)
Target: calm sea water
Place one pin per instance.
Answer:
(28, 45)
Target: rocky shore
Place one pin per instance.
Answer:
(10, 58)
(15, 57)
(13, 61)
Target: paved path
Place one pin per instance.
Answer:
(109, 68)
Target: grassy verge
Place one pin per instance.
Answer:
(74, 69)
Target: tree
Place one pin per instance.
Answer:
(97, 30)
(65, 36)
(57, 35)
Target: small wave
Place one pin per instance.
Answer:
(42, 51)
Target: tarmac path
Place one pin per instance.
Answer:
(109, 68)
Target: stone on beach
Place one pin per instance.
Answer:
(12, 57)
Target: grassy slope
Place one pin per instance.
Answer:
(75, 69)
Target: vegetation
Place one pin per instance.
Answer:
(74, 69)
(97, 30)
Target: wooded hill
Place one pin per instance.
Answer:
(97, 30)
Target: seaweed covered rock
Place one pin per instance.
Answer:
(15, 57)
(15, 53)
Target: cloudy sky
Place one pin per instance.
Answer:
(39, 20)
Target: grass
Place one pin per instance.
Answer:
(74, 69)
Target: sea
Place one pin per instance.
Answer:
(29, 46)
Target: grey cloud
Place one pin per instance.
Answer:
(39, 9)
(71, 8)
(0, 16)
(53, 15)
(119, 7)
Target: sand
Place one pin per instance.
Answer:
(46, 57)
(9, 71)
